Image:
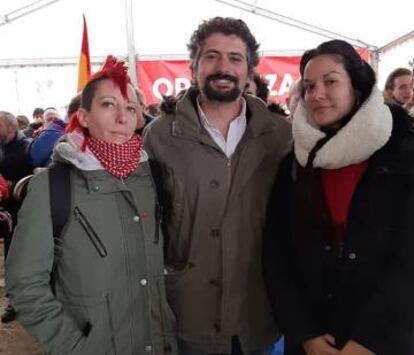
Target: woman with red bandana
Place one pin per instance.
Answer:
(107, 293)
(339, 250)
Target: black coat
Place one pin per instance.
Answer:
(14, 165)
(365, 290)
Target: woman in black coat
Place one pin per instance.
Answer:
(339, 248)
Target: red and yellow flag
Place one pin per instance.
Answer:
(84, 59)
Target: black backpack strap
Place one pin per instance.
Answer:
(60, 204)
(59, 196)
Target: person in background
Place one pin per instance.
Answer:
(74, 106)
(22, 121)
(399, 87)
(294, 95)
(36, 124)
(99, 287)
(258, 87)
(214, 157)
(153, 110)
(339, 241)
(45, 138)
(143, 118)
(14, 165)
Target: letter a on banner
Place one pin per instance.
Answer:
(84, 59)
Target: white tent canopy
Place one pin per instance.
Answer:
(164, 27)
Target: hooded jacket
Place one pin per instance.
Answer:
(109, 294)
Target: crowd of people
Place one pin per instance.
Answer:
(217, 222)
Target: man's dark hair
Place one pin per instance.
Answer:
(361, 74)
(396, 73)
(227, 26)
(38, 112)
(74, 105)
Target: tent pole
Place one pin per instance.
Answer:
(131, 43)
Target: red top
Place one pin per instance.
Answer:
(4, 188)
(338, 187)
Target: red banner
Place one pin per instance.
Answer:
(169, 77)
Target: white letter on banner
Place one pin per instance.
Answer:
(156, 87)
(271, 78)
(181, 84)
(286, 82)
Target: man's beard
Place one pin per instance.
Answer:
(221, 95)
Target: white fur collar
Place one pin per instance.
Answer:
(368, 130)
(69, 149)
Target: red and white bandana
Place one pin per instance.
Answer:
(119, 160)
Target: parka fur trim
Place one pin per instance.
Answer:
(367, 131)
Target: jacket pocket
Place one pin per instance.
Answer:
(93, 316)
(90, 232)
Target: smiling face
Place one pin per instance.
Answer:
(221, 71)
(329, 95)
(111, 118)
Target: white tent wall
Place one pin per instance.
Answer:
(24, 88)
(30, 87)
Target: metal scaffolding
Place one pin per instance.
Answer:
(24, 11)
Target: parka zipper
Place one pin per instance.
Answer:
(93, 237)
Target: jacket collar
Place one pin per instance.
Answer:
(367, 131)
(186, 123)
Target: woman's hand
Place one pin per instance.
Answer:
(354, 348)
(322, 345)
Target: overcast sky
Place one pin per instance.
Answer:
(164, 26)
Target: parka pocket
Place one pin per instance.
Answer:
(90, 232)
(92, 314)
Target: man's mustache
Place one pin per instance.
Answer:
(220, 76)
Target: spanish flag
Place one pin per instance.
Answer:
(84, 59)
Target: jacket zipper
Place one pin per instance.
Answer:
(93, 237)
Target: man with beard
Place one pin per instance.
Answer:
(14, 165)
(215, 157)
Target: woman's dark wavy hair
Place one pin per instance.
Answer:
(362, 75)
(228, 26)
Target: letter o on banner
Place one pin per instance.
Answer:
(159, 84)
